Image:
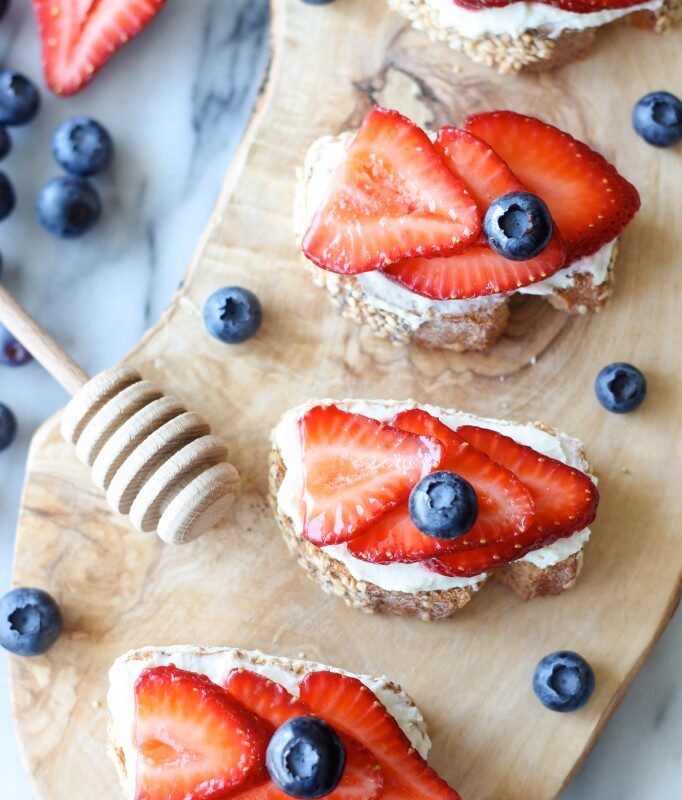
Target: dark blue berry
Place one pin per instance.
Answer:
(318, 2)
(82, 146)
(443, 505)
(305, 757)
(68, 206)
(657, 118)
(30, 621)
(4, 5)
(7, 197)
(8, 427)
(5, 142)
(620, 387)
(563, 681)
(518, 225)
(12, 352)
(19, 98)
(233, 314)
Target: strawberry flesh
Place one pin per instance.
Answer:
(355, 469)
(391, 198)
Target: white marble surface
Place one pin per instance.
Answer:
(176, 101)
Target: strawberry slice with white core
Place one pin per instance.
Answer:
(565, 500)
(348, 705)
(391, 198)
(355, 469)
(193, 740)
(589, 201)
(477, 270)
(505, 507)
(362, 777)
(79, 36)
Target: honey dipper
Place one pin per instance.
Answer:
(156, 461)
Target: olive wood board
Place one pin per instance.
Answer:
(471, 675)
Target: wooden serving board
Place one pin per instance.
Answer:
(471, 675)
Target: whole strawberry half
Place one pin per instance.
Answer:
(391, 198)
(79, 36)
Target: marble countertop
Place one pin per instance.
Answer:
(176, 103)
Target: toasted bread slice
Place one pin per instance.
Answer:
(547, 571)
(535, 49)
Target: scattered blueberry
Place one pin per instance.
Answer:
(8, 427)
(233, 314)
(5, 142)
(443, 505)
(30, 621)
(12, 352)
(518, 225)
(620, 387)
(657, 118)
(7, 196)
(4, 5)
(82, 146)
(563, 681)
(68, 206)
(19, 98)
(305, 757)
(318, 2)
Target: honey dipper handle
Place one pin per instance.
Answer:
(40, 344)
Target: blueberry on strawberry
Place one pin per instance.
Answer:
(518, 226)
(657, 118)
(306, 758)
(620, 387)
(12, 352)
(82, 146)
(8, 427)
(7, 197)
(233, 314)
(19, 98)
(563, 681)
(30, 621)
(68, 206)
(443, 505)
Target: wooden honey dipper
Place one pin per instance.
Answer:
(157, 462)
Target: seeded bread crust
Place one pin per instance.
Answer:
(527, 580)
(532, 51)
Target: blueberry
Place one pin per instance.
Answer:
(563, 681)
(30, 621)
(443, 505)
(318, 2)
(12, 352)
(233, 314)
(305, 757)
(82, 146)
(68, 206)
(5, 142)
(7, 197)
(19, 98)
(657, 118)
(518, 225)
(8, 427)
(620, 387)
(4, 5)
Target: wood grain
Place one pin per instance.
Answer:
(471, 675)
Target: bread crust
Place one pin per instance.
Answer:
(527, 580)
(533, 50)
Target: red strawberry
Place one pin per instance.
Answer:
(589, 201)
(391, 198)
(565, 501)
(194, 741)
(355, 469)
(79, 36)
(362, 778)
(505, 506)
(477, 270)
(350, 706)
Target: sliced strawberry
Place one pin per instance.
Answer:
(505, 507)
(362, 777)
(565, 502)
(391, 198)
(355, 469)
(193, 740)
(79, 36)
(348, 705)
(589, 201)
